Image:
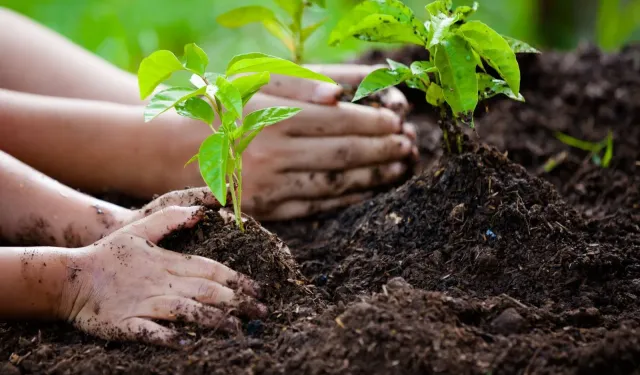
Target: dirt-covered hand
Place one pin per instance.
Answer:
(123, 282)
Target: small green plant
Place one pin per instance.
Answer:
(456, 76)
(595, 149)
(292, 34)
(222, 95)
(617, 20)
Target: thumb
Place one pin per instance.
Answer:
(304, 90)
(158, 225)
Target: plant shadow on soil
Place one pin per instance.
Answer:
(482, 263)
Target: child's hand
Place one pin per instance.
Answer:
(125, 281)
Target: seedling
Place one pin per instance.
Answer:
(292, 34)
(457, 75)
(595, 149)
(222, 95)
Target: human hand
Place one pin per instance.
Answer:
(330, 155)
(125, 280)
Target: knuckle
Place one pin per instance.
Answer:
(208, 292)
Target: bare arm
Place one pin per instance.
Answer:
(38, 61)
(37, 210)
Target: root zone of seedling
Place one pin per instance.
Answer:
(480, 264)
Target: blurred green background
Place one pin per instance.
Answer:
(124, 31)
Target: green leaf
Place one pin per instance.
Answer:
(155, 69)
(394, 65)
(309, 30)
(228, 95)
(439, 7)
(256, 121)
(213, 159)
(196, 59)
(578, 143)
(320, 3)
(229, 124)
(439, 28)
(386, 21)
(494, 49)
(435, 95)
(466, 11)
(267, 116)
(167, 99)
(457, 70)
(518, 46)
(489, 87)
(197, 109)
(193, 159)
(292, 7)
(608, 154)
(419, 83)
(379, 80)
(259, 62)
(420, 68)
(250, 84)
(245, 15)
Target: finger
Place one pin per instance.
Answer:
(410, 131)
(172, 308)
(299, 209)
(395, 100)
(340, 153)
(316, 185)
(351, 74)
(212, 293)
(183, 198)
(209, 269)
(304, 90)
(132, 329)
(158, 225)
(342, 119)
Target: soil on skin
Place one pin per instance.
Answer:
(483, 263)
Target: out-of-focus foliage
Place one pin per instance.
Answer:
(124, 31)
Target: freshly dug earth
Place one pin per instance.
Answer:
(505, 269)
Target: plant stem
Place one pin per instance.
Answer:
(298, 43)
(236, 204)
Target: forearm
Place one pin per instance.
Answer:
(37, 210)
(89, 145)
(36, 282)
(39, 61)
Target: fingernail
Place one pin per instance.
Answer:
(410, 131)
(405, 145)
(326, 93)
(397, 169)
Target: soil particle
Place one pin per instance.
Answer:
(508, 322)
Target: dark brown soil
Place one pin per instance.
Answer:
(505, 269)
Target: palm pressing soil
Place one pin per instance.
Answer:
(505, 269)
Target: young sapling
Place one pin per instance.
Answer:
(600, 153)
(457, 75)
(292, 33)
(223, 96)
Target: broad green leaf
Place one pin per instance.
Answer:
(292, 7)
(489, 87)
(379, 80)
(228, 95)
(419, 68)
(518, 46)
(250, 84)
(309, 30)
(394, 65)
(280, 31)
(198, 82)
(466, 11)
(320, 3)
(387, 21)
(478, 59)
(259, 62)
(167, 99)
(439, 7)
(229, 124)
(256, 121)
(435, 95)
(419, 83)
(267, 116)
(457, 70)
(155, 69)
(608, 154)
(439, 28)
(494, 49)
(245, 15)
(578, 143)
(213, 159)
(195, 58)
(197, 109)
